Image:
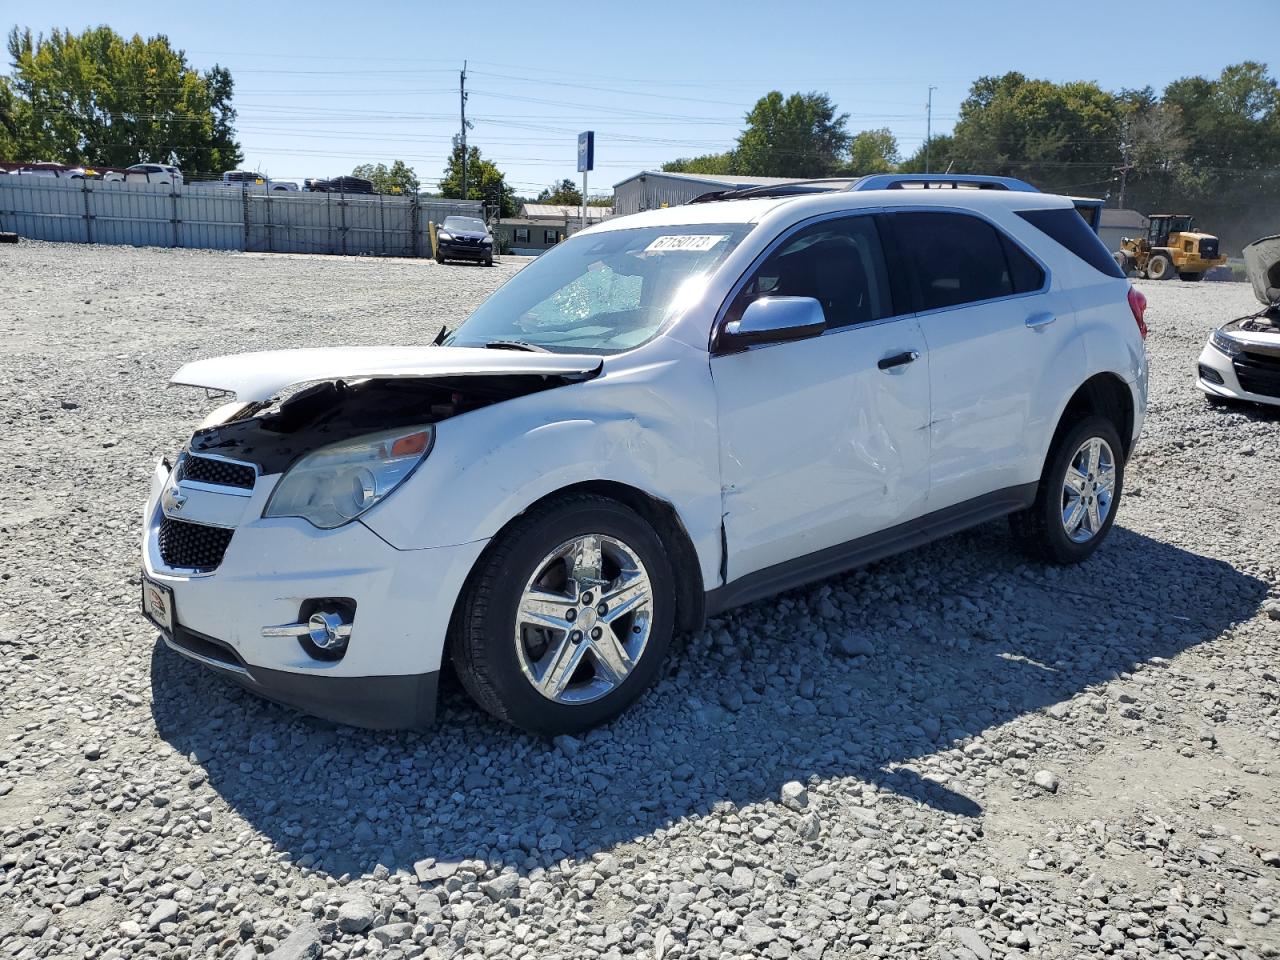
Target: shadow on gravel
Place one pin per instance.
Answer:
(965, 638)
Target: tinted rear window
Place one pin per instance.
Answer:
(1068, 229)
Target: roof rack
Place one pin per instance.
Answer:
(952, 181)
(876, 181)
(792, 189)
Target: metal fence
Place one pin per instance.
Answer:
(215, 217)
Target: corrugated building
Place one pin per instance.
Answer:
(654, 189)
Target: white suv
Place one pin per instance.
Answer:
(668, 415)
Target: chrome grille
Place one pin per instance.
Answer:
(192, 546)
(221, 472)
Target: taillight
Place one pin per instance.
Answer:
(1138, 304)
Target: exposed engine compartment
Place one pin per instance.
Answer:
(275, 433)
(1266, 322)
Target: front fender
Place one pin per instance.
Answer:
(650, 426)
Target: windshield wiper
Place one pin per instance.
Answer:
(516, 345)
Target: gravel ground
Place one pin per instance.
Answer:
(951, 754)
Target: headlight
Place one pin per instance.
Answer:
(336, 484)
(1231, 348)
(487, 241)
(441, 235)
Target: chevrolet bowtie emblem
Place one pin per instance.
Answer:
(174, 500)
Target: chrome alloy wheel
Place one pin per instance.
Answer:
(583, 619)
(1088, 490)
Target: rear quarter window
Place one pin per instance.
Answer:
(1067, 228)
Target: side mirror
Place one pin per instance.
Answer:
(775, 320)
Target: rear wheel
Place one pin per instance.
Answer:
(567, 618)
(1079, 492)
(1160, 267)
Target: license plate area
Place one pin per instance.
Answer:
(157, 604)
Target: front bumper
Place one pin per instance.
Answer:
(464, 251)
(403, 602)
(1214, 361)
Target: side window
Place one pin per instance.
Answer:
(522, 234)
(1025, 273)
(955, 258)
(550, 236)
(839, 263)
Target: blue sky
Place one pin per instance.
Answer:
(324, 85)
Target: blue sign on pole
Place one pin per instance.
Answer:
(586, 151)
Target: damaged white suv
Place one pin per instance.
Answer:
(667, 415)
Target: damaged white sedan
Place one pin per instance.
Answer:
(665, 416)
(1241, 361)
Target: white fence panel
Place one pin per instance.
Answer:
(43, 208)
(212, 216)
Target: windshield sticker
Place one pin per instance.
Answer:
(696, 242)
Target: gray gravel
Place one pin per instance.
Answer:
(952, 754)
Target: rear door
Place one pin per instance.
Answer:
(824, 440)
(995, 327)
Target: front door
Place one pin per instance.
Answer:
(824, 440)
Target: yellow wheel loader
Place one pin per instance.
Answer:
(1170, 248)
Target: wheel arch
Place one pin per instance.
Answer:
(659, 514)
(1107, 395)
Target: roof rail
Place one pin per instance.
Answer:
(790, 188)
(954, 181)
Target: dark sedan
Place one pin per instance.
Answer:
(464, 238)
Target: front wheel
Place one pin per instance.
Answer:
(1079, 492)
(1160, 267)
(567, 618)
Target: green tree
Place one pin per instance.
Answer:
(799, 136)
(98, 98)
(399, 178)
(1058, 136)
(8, 120)
(941, 156)
(713, 164)
(873, 151)
(484, 181)
(565, 192)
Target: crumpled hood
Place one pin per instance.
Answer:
(255, 377)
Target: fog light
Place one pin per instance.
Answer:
(327, 630)
(1210, 374)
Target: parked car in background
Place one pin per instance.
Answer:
(146, 173)
(464, 238)
(666, 416)
(251, 178)
(1241, 361)
(52, 170)
(346, 184)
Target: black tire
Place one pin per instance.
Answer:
(1160, 267)
(489, 262)
(483, 645)
(1190, 276)
(1039, 531)
(439, 259)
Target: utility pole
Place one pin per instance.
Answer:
(462, 97)
(928, 128)
(1124, 161)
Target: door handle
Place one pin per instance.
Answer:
(1038, 320)
(898, 360)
